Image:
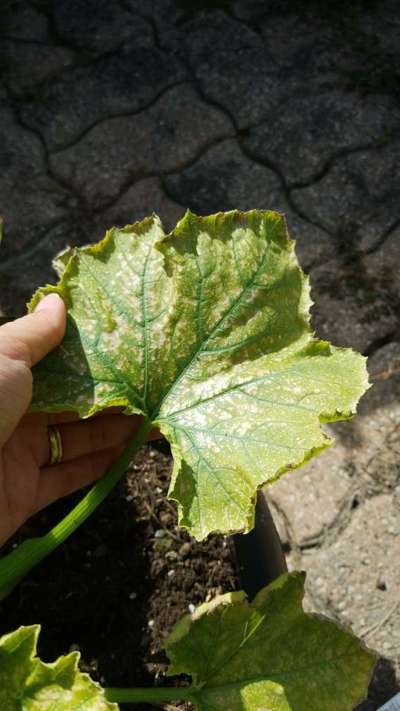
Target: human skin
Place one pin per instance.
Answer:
(27, 481)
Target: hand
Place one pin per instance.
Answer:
(27, 481)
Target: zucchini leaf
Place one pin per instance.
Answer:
(269, 655)
(28, 684)
(205, 331)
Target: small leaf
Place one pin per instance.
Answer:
(28, 684)
(205, 331)
(269, 655)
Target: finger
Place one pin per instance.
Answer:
(90, 436)
(67, 477)
(58, 418)
(31, 337)
(45, 419)
(154, 435)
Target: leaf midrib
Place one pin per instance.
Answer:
(269, 676)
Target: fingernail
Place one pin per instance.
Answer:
(48, 301)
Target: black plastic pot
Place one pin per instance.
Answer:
(259, 554)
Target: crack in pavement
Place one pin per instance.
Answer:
(136, 178)
(26, 40)
(341, 153)
(382, 239)
(34, 246)
(118, 114)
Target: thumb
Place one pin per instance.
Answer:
(30, 338)
(23, 343)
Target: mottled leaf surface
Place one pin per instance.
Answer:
(205, 331)
(269, 655)
(28, 684)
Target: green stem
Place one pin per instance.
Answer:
(17, 564)
(131, 696)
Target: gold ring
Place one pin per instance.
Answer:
(55, 444)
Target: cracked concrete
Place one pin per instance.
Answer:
(309, 131)
(112, 110)
(166, 137)
(360, 192)
(127, 80)
(97, 28)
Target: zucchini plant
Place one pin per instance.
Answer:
(205, 333)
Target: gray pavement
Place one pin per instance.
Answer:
(110, 110)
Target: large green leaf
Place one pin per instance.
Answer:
(205, 331)
(28, 684)
(269, 655)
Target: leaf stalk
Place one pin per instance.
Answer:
(162, 694)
